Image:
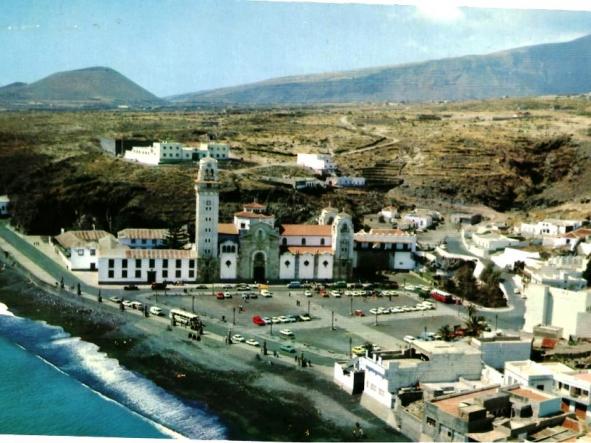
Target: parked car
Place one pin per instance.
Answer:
(159, 286)
(409, 339)
(257, 320)
(238, 338)
(287, 333)
(127, 303)
(116, 299)
(227, 295)
(130, 287)
(155, 310)
(266, 293)
(287, 348)
(304, 317)
(358, 313)
(137, 305)
(308, 293)
(227, 286)
(283, 319)
(220, 296)
(252, 342)
(294, 285)
(358, 350)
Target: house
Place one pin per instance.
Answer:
(345, 182)
(498, 347)
(572, 386)
(78, 249)
(563, 308)
(549, 227)
(143, 238)
(4, 205)
(559, 271)
(381, 249)
(173, 152)
(495, 413)
(491, 241)
(322, 164)
(510, 256)
(389, 214)
(464, 218)
(422, 219)
(570, 241)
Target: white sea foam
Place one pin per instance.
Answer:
(4, 310)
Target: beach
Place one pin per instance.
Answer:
(254, 397)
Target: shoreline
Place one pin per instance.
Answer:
(255, 399)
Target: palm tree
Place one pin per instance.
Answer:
(446, 332)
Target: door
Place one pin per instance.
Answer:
(258, 267)
(151, 276)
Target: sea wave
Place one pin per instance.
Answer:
(83, 361)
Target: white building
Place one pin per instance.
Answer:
(571, 240)
(559, 271)
(172, 152)
(549, 227)
(392, 247)
(78, 249)
(563, 308)
(143, 238)
(510, 256)
(389, 214)
(497, 348)
(4, 204)
(345, 182)
(422, 219)
(493, 241)
(574, 386)
(119, 264)
(322, 164)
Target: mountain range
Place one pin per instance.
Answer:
(556, 68)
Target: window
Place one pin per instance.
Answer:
(191, 263)
(138, 273)
(133, 241)
(306, 263)
(228, 263)
(111, 263)
(124, 273)
(242, 225)
(303, 241)
(152, 263)
(143, 241)
(124, 263)
(80, 251)
(138, 263)
(284, 241)
(165, 273)
(287, 263)
(345, 229)
(191, 274)
(325, 263)
(111, 273)
(322, 241)
(165, 263)
(178, 273)
(93, 252)
(179, 263)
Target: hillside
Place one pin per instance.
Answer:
(559, 68)
(97, 86)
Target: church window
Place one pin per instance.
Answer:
(228, 263)
(303, 241)
(287, 263)
(191, 263)
(325, 263)
(345, 229)
(322, 241)
(284, 241)
(260, 234)
(306, 263)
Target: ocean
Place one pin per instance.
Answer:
(55, 384)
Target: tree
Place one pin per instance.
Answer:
(446, 332)
(177, 237)
(476, 324)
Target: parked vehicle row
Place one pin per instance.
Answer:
(423, 306)
(262, 321)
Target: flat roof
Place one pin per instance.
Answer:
(528, 368)
(531, 394)
(443, 347)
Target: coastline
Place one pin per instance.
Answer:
(255, 399)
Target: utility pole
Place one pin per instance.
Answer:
(496, 322)
(234, 315)
(308, 307)
(193, 304)
(351, 305)
(271, 330)
(376, 318)
(350, 347)
(332, 320)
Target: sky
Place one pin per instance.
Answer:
(179, 46)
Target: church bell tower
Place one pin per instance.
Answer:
(206, 219)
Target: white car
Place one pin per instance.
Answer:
(252, 342)
(373, 311)
(266, 293)
(275, 320)
(382, 310)
(283, 319)
(155, 310)
(308, 293)
(305, 317)
(395, 310)
(335, 294)
(239, 338)
(287, 332)
(409, 339)
(127, 303)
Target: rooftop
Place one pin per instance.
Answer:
(4, 199)
(247, 214)
(306, 230)
(580, 233)
(149, 234)
(315, 250)
(227, 229)
(74, 239)
(160, 253)
(531, 394)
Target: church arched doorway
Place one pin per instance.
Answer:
(258, 267)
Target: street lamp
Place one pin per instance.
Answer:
(193, 304)
(234, 315)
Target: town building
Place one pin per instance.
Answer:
(382, 249)
(549, 227)
(173, 152)
(321, 164)
(560, 271)
(4, 205)
(572, 386)
(78, 249)
(463, 218)
(422, 219)
(491, 241)
(496, 413)
(143, 238)
(563, 308)
(569, 241)
(389, 214)
(498, 347)
(345, 182)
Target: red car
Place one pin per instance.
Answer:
(220, 296)
(257, 320)
(359, 313)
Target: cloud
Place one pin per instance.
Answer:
(439, 12)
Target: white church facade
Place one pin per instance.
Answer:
(250, 247)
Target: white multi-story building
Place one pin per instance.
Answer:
(563, 308)
(322, 164)
(497, 348)
(172, 152)
(4, 203)
(345, 182)
(389, 214)
(78, 249)
(393, 248)
(559, 271)
(549, 227)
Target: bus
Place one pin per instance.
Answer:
(178, 316)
